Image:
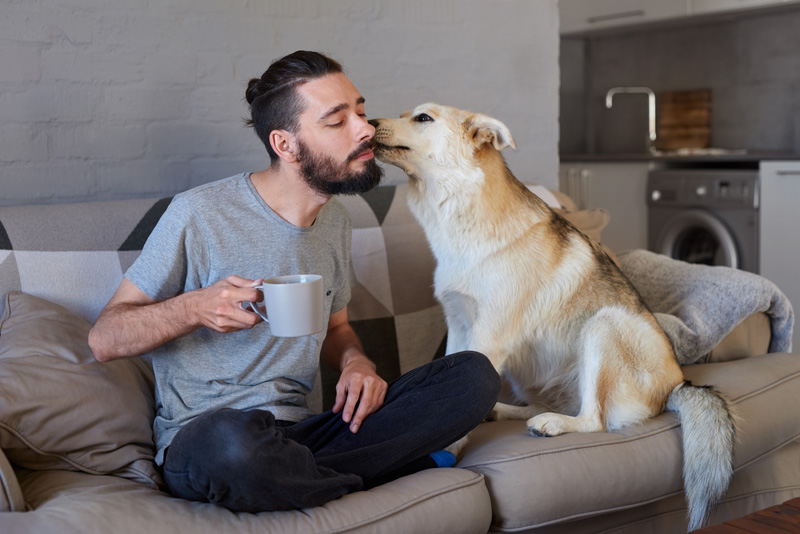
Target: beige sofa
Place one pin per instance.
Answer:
(76, 439)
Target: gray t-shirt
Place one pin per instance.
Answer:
(207, 234)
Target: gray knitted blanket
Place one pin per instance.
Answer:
(698, 305)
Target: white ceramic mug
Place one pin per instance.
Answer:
(294, 304)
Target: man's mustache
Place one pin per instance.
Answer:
(369, 144)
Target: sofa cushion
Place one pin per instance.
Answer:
(61, 409)
(434, 501)
(751, 337)
(535, 481)
(11, 499)
(771, 480)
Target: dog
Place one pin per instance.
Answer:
(544, 302)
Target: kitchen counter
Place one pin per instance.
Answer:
(702, 157)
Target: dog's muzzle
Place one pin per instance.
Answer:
(383, 134)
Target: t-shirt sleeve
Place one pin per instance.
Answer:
(342, 297)
(174, 259)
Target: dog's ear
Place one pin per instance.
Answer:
(484, 129)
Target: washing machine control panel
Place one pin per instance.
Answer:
(730, 188)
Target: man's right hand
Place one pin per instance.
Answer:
(219, 306)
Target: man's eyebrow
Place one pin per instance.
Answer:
(336, 109)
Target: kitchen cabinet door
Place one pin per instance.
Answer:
(779, 244)
(583, 16)
(620, 188)
(703, 7)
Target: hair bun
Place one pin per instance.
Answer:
(255, 88)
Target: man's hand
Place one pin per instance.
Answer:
(360, 391)
(219, 306)
(359, 385)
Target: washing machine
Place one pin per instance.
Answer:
(705, 216)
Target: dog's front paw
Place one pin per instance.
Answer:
(546, 424)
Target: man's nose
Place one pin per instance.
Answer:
(367, 131)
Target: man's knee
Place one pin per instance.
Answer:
(481, 373)
(478, 382)
(223, 439)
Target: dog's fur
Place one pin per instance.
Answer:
(543, 301)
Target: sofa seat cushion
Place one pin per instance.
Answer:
(770, 481)
(433, 501)
(11, 499)
(535, 482)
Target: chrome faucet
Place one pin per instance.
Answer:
(651, 108)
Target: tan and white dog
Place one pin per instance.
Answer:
(542, 300)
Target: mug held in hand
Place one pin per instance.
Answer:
(293, 303)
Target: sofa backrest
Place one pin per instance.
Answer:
(76, 254)
(73, 254)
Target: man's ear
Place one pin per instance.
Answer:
(284, 144)
(484, 129)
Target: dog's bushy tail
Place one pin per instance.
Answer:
(709, 433)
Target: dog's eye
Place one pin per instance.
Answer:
(423, 117)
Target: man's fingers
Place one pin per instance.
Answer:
(341, 396)
(373, 393)
(359, 393)
(246, 317)
(238, 281)
(242, 294)
(364, 409)
(241, 289)
(353, 396)
(237, 320)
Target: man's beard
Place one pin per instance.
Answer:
(327, 176)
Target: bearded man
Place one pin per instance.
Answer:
(232, 425)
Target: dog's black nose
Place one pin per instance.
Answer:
(373, 122)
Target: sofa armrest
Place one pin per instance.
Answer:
(750, 338)
(11, 499)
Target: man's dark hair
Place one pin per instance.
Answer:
(273, 98)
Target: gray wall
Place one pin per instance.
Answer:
(751, 64)
(102, 99)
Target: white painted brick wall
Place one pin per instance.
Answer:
(103, 99)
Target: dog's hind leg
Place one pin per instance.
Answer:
(554, 424)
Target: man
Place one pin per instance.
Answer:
(232, 425)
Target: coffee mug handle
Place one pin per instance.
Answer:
(254, 306)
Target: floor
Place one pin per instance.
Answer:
(781, 519)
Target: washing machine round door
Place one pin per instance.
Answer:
(696, 236)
